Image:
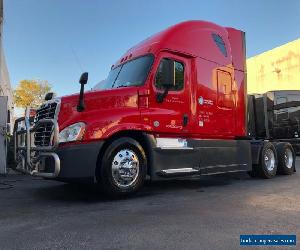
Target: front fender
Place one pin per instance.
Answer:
(102, 125)
(96, 132)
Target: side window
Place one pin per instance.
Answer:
(178, 71)
(280, 100)
(220, 43)
(293, 98)
(225, 98)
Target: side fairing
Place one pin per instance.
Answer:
(238, 51)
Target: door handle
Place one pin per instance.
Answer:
(185, 120)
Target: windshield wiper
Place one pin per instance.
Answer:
(129, 84)
(121, 86)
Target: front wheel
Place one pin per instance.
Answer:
(124, 167)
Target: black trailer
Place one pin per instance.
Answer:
(275, 116)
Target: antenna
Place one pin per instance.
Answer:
(76, 58)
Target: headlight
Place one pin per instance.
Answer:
(73, 132)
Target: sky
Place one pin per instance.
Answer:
(56, 40)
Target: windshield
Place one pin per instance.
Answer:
(131, 73)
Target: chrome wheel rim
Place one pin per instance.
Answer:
(288, 158)
(270, 159)
(125, 168)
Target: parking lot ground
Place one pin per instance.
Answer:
(202, 213)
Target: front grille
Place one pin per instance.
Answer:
(43, 133)
(46, 111)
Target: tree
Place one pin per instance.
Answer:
(31, 93)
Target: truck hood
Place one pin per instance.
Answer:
(98, 104)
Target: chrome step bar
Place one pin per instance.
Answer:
(178, 172)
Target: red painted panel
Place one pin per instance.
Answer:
(167, 117)
(106, 112)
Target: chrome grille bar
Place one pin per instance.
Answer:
(43, 132)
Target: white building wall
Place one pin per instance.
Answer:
(5, 86)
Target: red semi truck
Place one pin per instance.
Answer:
(173, 105)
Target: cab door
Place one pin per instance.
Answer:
(169, 107)
(225, 103)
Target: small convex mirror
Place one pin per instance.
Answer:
(84, 78)
(49, 96)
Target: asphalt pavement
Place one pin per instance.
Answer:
(202, 213)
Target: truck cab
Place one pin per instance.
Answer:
(173, 105)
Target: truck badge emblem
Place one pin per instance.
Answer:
(156, 123)
(200, 100)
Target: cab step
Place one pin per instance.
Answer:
(178, 172)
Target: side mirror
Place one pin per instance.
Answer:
(49, 96)
(167, 73)
(165, 78)
(84, 78)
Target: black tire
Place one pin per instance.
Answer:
(105, 177)
(263, 169)
(286, 158)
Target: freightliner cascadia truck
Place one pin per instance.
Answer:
(174, 105)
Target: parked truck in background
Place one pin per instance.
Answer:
(275, 115)
(173, 105)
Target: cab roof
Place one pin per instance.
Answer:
(191, 38)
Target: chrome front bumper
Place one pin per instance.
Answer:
(30, 159)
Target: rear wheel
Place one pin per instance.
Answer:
(267, 167)
(124, 167)
(286, 158)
